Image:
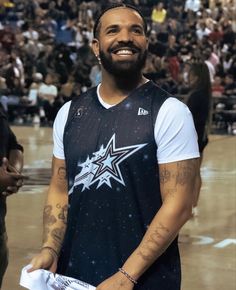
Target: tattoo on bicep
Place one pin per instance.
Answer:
(154, 243)
(61, 173)
(185, 170)
(165, 175)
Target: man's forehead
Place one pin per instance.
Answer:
(119, 15)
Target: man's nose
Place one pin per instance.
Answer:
(125, 36)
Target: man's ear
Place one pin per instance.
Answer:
(95, 47)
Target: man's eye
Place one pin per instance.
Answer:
(138, 30)
(112, 30)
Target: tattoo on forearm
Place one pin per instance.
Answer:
(61, 173)
(46, 232)
(49, 219)
(57, 235)
(149, 249)
(63, 213)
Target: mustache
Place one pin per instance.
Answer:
(125, 45)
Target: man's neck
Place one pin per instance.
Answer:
(114, 91)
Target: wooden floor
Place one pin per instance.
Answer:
(207, 243)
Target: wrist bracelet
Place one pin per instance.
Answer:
(127, 275)
(51, 250)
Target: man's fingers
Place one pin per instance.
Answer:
(33, 267)
(10, 190)
(12, 169)
(5, 162)
(18, 176)
(13, 189)
(15, 173)
(53, 268)
(19, 183)
(41, 261)
(35, 264)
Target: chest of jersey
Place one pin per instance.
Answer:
(102, 144)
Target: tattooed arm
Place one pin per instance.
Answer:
(54, 218)
(176, 183)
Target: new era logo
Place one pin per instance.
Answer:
(142, 112)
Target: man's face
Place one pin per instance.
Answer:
(122, 43)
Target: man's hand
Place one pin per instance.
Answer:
(44, 260)
(10, 179)
(116, 282)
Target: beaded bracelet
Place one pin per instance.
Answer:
(51, 250)
(127, 275)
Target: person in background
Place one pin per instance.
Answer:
(218, 87)
(199, 103)
(11, 164)
(230, 86)
(124, 171)
(158, 15)
(31, 101)
(48, 93)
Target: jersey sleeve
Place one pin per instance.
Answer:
(58, 131)
(174, 132)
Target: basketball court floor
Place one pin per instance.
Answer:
(207, 242)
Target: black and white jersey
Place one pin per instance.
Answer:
(114, 190)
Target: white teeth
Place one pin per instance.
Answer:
(124, 51)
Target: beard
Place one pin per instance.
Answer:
(123, 69)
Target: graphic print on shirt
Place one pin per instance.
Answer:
(104, 165)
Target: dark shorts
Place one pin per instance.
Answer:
(3, 256)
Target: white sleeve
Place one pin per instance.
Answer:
(58, 131)
(174, 132)
(54, 91)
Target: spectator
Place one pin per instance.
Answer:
(11, 164)
(218, 89)
(158, 15)
(192, 5)
(202, 30)
(230, 86)
(199, 103)
(47, 95)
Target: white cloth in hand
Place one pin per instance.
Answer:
(45, 280)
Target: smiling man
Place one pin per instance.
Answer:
(124, 164)
(125, 57)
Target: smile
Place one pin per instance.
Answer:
(125, 51)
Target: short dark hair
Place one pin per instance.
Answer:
(96, 26)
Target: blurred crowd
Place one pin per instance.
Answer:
(46, 58)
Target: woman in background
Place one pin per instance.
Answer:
(199, 103)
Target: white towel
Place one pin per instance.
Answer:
(45, 280)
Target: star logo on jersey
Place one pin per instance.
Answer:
(104, 165)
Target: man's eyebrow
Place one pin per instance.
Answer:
(137, 26)
(112, 26)
(117, 25)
